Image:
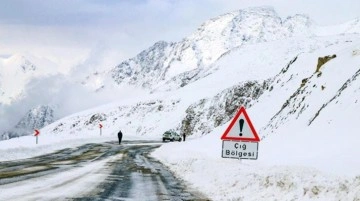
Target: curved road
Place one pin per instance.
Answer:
(105, 171)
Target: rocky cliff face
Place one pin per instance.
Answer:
(144, 69)
(205, 115)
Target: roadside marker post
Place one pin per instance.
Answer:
(100, 126)
(240, 139)
(36, 134)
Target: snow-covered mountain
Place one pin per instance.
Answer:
(242, 77)
(17, 71)
(298, 81)
(179, 63)
(230, 59)
(35, 118)
(168, 65)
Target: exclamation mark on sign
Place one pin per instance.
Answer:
(241, 126)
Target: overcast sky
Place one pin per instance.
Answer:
(69, 31)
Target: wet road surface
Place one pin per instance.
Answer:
(104, 171)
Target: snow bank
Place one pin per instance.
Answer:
(199, 162)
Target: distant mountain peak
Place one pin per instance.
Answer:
(17, 70)
(18, 60)
(35, 118)
(163, 62)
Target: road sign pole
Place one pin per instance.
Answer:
(37, 133)
(100, 126)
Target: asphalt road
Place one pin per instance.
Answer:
(105, 171)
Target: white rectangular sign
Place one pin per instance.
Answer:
(240, 150)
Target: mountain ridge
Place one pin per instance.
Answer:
(206, 45)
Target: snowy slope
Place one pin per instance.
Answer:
(174, 105)
(306, 116)
(319, 112)
(350, 27)
(298, 158)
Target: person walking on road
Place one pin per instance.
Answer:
(184, 135)
(120, 136)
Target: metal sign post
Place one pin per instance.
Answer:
(36, 134)
(100, 126)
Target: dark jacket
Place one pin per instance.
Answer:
(120, 136)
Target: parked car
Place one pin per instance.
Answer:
(172, 136)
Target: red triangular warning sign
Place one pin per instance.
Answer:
(241, 128)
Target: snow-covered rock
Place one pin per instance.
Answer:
(205, 115)
(35, 118)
